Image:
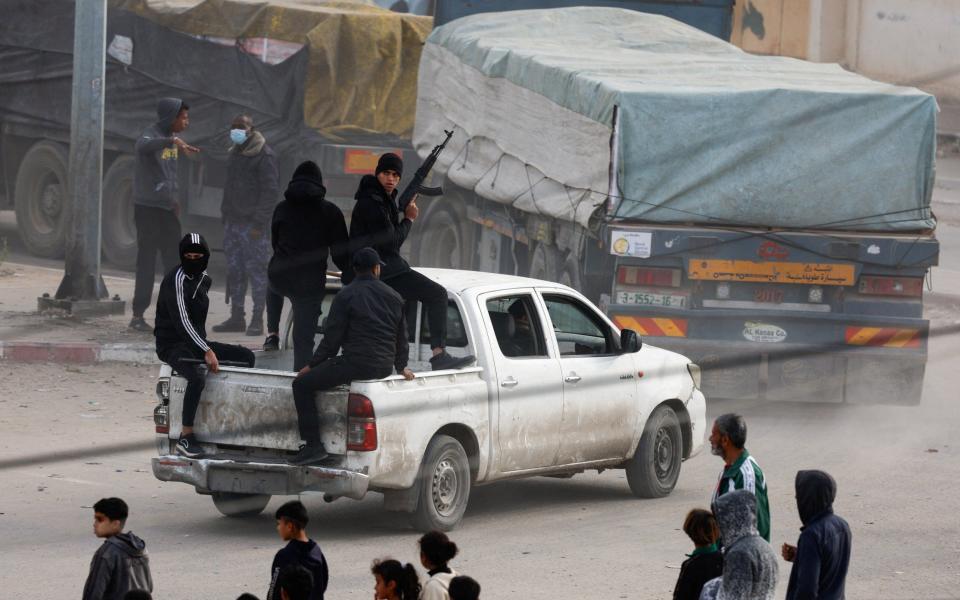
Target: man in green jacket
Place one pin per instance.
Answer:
(740, 471)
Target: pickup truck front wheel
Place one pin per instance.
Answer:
(444, 485)
(655, 467)
(240, 505)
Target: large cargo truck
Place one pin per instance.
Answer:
(340, 100)
(768, 217)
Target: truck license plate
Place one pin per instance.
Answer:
(648, 299)
(250, 482)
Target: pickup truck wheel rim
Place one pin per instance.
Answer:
(663, 454)
(446, 485)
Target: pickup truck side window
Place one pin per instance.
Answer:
(517, 326)
(456, 332)
(579, 331)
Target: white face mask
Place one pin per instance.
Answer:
(238, 136)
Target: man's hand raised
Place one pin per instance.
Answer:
(185, 146)
(412, 211)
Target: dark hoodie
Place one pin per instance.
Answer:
(306, 229)
(305, 554)
(823, 551)
(182, 302)
(155, 164)
(376, 222)
(121, 564)
(749, 564)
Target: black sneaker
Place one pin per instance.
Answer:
(445, 361)
(256, 328)
(234, 323)
(310, 453)
(271, 343)
(188, 446)
(138, 324)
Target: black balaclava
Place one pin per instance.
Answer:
(194, 242)
(815, 493)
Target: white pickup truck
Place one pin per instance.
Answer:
(557, 389)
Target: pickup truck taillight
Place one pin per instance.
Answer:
(654, 276)
(161, 418)
(891, 286)
(361, 424)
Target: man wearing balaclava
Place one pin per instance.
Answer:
(822, 555)
(182, 335)
(156, 206)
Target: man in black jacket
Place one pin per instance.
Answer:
(156, 206)
(121, 563)
(251, 192)
(182, 336)
(306, 229)
(822, 555)
(300, 551)
(376, 223)
(367, 321)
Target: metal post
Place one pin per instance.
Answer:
(82, 281)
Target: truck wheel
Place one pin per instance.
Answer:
(240, 505)
(441, 248)
(444, 483)
(119, 232)
(655, 466)
(570, 274)
(41, 202)
(545, 262)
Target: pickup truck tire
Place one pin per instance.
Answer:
(545, 262)
(119, 232)
(41, 201)
(443, 245)
(444, 486)
(655, 466)
(240, 505)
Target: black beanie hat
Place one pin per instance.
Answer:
(390, 162)
(308, 171)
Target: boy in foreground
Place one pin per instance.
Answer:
(121, 564)
(300, 551)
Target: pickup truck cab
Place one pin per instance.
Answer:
(557, 389)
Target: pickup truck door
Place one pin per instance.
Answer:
(600, 406)
(526, 379)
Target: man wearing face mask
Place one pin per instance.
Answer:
(181, 332)
(156, 204)
(251, 191)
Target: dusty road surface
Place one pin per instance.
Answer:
(585, 537)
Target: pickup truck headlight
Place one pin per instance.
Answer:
(694, 370)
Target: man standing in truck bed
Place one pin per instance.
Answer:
(156, 207)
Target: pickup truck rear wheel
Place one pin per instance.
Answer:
(444, 483)
(240, 505)
(655, 466)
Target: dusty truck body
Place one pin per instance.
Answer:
(313, 93)
(768, 217)
(575, 394)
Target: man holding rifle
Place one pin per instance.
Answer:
(377, 222)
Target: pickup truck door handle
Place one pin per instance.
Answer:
(572, 378)
(509, 382)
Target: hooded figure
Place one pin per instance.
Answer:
(822, 555)
(749, 564)
(121, 564)
(155, 170)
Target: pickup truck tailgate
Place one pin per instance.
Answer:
(254, 408)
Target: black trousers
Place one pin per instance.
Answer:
(416, 287)
(328, 374)
(195, 374)
(274, 310)
(306, 313)
(158, 230)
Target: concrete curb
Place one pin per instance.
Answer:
(84, 353)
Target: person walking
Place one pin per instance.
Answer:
(121, 564)
(749, 564)
(156, 204)
(292, 519)
(706, 561)
(394, 581)
(376, 222)
(822, 554)
(367, 321)
(181, 334)
(436, 551)
(250, 194)
(305, 231)
(741, 471)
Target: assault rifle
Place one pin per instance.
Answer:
(416, 184)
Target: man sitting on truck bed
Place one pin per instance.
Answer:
(182, 336)
(367, 321)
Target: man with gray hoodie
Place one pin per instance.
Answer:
(749, 563)
(121, 563)
(156, 206)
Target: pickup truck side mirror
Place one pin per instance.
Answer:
(629, 341)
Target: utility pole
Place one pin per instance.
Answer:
(82, 287)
